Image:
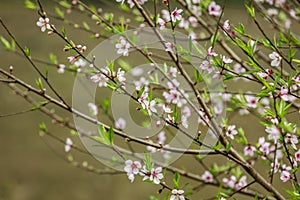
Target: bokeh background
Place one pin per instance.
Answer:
(31, 168)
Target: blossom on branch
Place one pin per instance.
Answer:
(123, 47)
(177, 195)
(176, 15)
(43, 23)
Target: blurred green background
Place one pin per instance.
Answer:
(31, 169)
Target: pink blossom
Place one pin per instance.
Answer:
(276, 166)
(173, 85)
(226, 25)
(249, 150)
(251, 101)
(43, 23)
(285, 176)
(100, 79)
(176, 15)
(143, 100)
(161, 138)
(214, 9)
(177, 195)
(275, 59)
(211, 52)
(226, 60)
(297, 156)
(173, 71)
(156, 175)
(120, 75)
(120, 123)
(162, 23)
(204, 118)
(143, 82)
(123, 47)
(264, 146)
(231, 132)
(169, 46)
(263, 75)
(132, 168)
(207, 177)
(284, 93)
(273, 132)
(291, 139)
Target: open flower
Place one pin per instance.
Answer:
(297, 156)
(207, 177)
(249, 150)
(176, 15)
(120, 75)
(285, 176)
(132, 168)
(214, 9)
(43, 23)
(275, 59)
(273, 132)
(123, 47)
(177, 195)
(100, 79)
(231, 132)
(251, 101)
(156, 175)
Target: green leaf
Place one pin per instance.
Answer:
(63, 31)
(240, 29)
(27, 52)
(59, 12)
(30, 5)
(214, 38)
(147, 161)
(176, 180)
(228, 147)
(175, 114)
(43, 127)
(86, 26)
(13, 45)
(124, 65)
(53, 58)
(110, 135)
(65, 4)
(46, 72)
(153, 198)
(5, 43)
(39, 83)
(251, 11)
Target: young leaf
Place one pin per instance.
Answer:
(39, 83)
(5, 43)
(30, 5)
(110, 135)
(59, 12)
(176, 180)
(27, 52)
